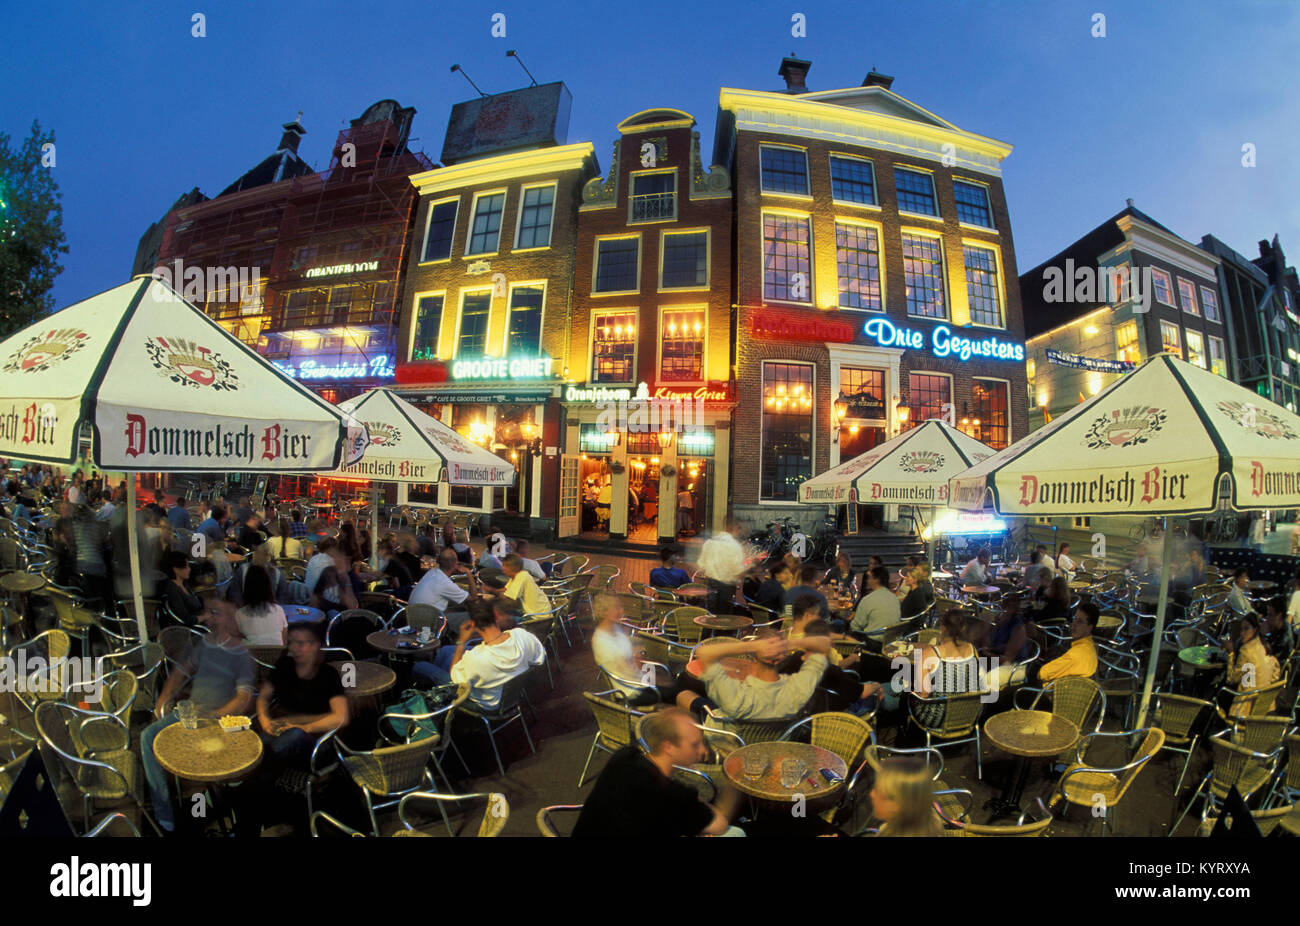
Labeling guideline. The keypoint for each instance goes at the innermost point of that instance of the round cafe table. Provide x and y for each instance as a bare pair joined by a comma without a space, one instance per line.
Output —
208,754
692,591
368,678
980,590
1026,735
1203,658
768,788
940,574
22,584
387,641
1262,585
737,667
724,622
297,613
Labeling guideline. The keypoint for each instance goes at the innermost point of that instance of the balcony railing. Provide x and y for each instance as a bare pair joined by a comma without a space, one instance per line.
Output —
653,207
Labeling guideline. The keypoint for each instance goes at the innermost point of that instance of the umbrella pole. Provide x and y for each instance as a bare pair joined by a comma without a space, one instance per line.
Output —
929,547
374,524
133,551
1157,636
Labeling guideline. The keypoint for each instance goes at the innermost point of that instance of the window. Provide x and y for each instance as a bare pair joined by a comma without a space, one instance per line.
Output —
915,191
682,356
1117,284
857,254
1187,293
1195,348
428,322
1218,357
1169,338
1210,301
535,218
989,408
617,261
1126,343
787,430
593,438
654,197
852,180
784,170
1163,285
923,276
686,260
864,393
485,230
474,311
613,347
787,258
972,204
524,335
930,396
982,286
442,226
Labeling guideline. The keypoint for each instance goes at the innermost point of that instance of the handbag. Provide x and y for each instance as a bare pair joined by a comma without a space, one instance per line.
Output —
413,702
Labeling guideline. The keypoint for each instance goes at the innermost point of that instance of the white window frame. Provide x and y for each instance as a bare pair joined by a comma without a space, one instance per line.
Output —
1137,339
1178,335
460,315
1011,437
703,309
631,192
875,187
807,171
428,224
812,255
708,258
1169,279
1211,340
1188,334
596,315
415,318
595,265
1218,309
510,298
762,437
504,193
934,193
519,216
1002,283
943,263
879,229
1195,310
988,203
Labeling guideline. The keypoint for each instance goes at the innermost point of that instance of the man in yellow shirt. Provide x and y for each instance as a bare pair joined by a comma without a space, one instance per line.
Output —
1081,657
522,587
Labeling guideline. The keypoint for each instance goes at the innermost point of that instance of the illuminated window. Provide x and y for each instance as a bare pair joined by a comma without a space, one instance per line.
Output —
1210,300
682,354
786,439
784,170
989,407
686,260
857,254
852,180
525,332
1187,293
485,231
617,265
972,204
442,226
1163,286
1031,367
654,197
535,217
1195,348
915,191
864,393
474,311
613,347
787,258
1169,338
982,286
1126,343
1218,357
428,322
923,276
929,396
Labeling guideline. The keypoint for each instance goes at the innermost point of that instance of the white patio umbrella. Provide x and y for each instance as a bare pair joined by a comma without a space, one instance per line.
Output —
164,388
406,445
1155,442
912,469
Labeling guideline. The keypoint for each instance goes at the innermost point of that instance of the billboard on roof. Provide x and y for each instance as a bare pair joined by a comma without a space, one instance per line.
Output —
529,118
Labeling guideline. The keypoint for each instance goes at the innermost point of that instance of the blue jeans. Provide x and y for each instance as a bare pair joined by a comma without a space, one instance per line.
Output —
439,670
291,749
158,778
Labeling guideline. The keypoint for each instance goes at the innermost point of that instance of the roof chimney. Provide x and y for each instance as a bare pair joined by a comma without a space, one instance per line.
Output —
794,70
1129,202
876,79
293,133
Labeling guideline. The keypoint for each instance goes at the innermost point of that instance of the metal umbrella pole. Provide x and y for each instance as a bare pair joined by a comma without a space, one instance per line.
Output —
133,550
1157,636
374,524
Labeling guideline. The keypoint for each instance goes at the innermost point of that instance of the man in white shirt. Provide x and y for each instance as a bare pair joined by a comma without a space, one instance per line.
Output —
437,588
522,587
977,570
879,608
531,566
501,657
685,511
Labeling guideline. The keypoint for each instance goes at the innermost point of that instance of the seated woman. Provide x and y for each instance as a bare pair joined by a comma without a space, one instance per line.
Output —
261,620
903,797
771,594
260,557
181,602
841,573
1055,604
283,545
951,667
1064,564
916,592
393,569
1009,641
1250,666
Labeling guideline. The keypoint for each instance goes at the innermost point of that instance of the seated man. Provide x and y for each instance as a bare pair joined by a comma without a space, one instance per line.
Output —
977,570
879,608
636,796
338,586
764,695
523,588
611,645
1277,631
221,674
436,588
1238,601
501,656
809,581
670,574
1081,658
771,593
531,566
846,689
1039,574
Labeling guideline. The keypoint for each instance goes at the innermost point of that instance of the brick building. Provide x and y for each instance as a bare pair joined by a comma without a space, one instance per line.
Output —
870,233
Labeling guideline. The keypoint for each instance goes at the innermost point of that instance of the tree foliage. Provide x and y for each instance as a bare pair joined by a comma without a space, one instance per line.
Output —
31,230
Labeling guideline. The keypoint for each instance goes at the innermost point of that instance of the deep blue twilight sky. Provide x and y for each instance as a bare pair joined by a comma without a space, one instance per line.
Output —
1158,110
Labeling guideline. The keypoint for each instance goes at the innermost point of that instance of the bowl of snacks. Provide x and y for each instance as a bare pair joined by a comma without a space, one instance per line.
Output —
233,723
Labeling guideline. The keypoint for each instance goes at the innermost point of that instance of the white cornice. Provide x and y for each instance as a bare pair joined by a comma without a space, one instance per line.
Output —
504,167
1166,246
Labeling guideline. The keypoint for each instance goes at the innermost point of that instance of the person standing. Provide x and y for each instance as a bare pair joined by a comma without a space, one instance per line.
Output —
685,512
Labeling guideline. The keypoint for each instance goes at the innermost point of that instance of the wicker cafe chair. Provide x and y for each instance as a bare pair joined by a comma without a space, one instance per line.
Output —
1182,719
117,691
112,777
616,725
507,711
661,650
841,733
1287,786
51,646
1030,829
960,723
603,578
546,826
387,773
543,628
681,622
1266,820
75,619
747,732
320,817
950,801
1081,783
496,811
419,616
1261,734
1234,766
1255,702
701,781
1074,698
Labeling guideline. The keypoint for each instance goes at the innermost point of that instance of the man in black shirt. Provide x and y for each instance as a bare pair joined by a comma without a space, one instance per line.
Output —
771,594
636,796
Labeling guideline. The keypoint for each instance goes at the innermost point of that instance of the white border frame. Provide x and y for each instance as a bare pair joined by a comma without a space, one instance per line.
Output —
763,212
664,234
504,193
595,264
554,186
1173,290
415,318
903,232
1002,284
1011,436
596,315
460,315
988,204
1187,348
428,223
875,185
510,298
1217,308
762,436
631,187
879,229
952,395
807,171
703,309
934,192
1178,329
1223,355
1195,311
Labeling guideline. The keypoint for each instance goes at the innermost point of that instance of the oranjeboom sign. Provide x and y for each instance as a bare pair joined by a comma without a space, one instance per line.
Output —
943,342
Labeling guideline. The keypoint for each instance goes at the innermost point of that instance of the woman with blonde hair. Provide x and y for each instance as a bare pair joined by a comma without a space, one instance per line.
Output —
917,592
903,798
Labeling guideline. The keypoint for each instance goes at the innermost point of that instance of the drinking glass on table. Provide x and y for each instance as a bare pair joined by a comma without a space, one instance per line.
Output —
755,766
792,772
188,714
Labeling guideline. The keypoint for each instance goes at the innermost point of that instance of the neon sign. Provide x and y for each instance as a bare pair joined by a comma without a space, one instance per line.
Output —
943,342
335,269
375,367
503,368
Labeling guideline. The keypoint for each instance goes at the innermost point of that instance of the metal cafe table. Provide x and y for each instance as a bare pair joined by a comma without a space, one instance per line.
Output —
1026,735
